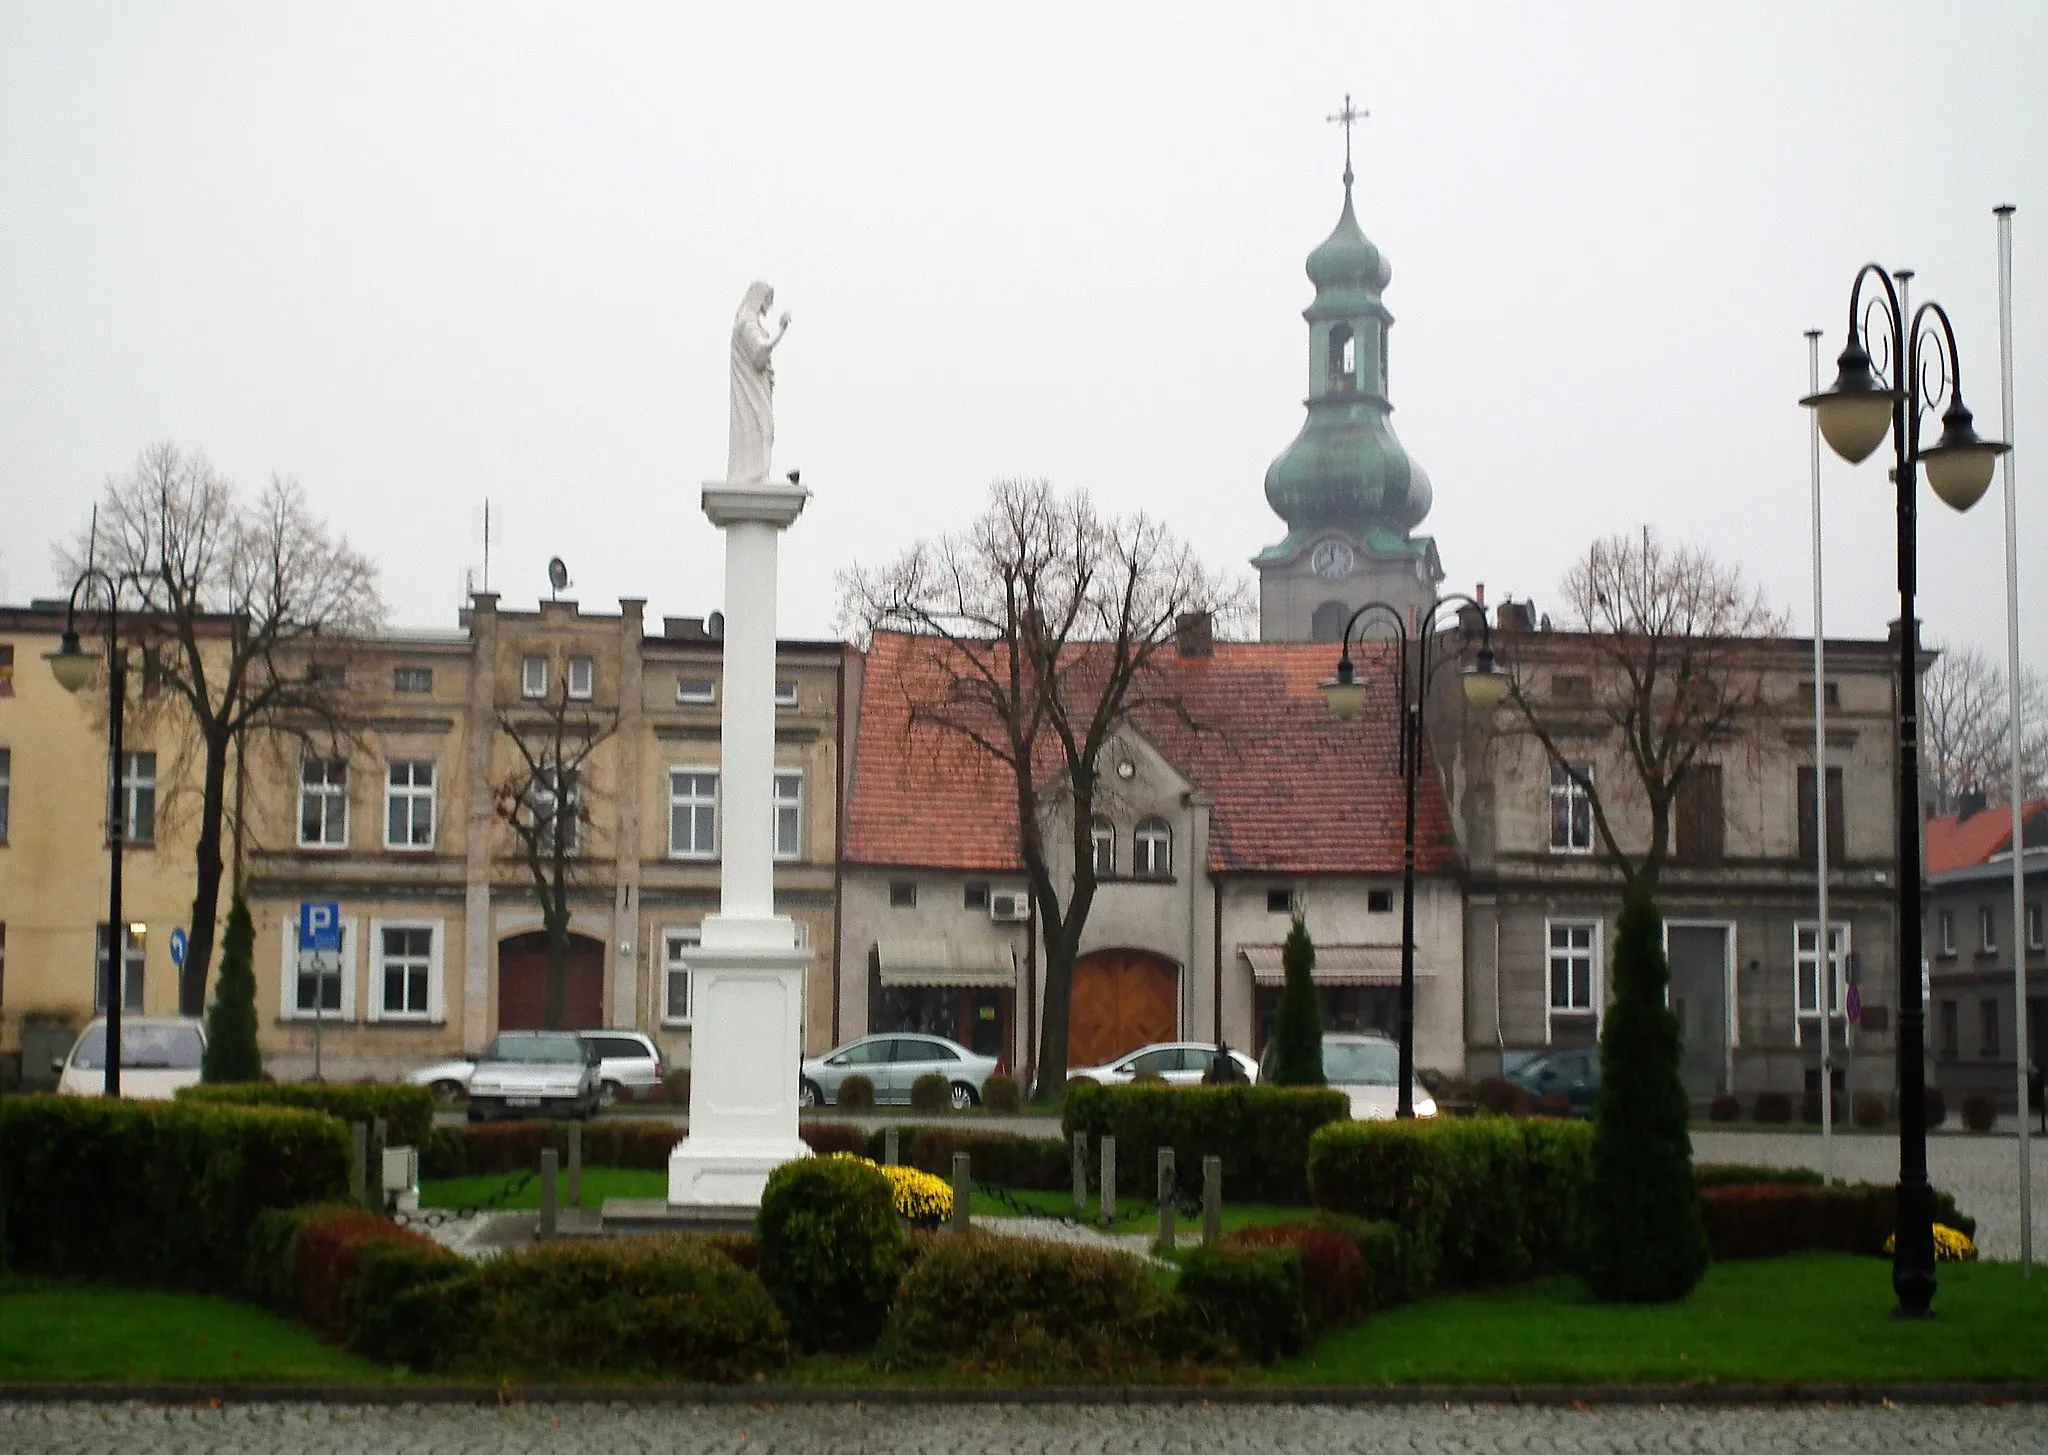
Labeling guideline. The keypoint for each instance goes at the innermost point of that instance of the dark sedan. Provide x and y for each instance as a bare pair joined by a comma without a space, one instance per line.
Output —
1574,1075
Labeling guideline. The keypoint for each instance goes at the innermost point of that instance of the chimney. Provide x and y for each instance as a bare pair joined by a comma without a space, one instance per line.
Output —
1513,616
1194,634
684,628
1970,803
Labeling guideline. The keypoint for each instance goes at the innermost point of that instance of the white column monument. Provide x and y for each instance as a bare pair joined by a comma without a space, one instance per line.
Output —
748,974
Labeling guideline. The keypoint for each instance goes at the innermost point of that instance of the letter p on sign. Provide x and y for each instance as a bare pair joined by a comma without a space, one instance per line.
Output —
320,927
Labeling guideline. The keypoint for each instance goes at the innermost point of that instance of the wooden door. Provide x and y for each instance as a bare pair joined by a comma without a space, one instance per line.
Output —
523,981
1122,999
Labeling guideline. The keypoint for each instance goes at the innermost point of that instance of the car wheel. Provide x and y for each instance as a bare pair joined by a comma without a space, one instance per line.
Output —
808,1093
963,1096
447,1090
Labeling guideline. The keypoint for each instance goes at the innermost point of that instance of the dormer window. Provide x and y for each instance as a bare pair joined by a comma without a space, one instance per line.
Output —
1343,358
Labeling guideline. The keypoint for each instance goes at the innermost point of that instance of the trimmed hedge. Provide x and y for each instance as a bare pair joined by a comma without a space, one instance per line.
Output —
856,1093
1253,1294
1262,1133
468,1151
931,1092
831,1249
326,1259
1332,1269
1002,1094
406,1111
1037,1163
155,1192
1743,1174
1764,1220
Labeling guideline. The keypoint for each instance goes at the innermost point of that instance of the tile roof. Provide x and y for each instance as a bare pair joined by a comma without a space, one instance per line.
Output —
1954,842
1295,791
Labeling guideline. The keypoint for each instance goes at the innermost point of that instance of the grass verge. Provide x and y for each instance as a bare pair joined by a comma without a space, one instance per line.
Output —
512,1190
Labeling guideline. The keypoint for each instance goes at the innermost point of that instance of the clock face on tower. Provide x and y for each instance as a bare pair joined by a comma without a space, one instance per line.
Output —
1332,560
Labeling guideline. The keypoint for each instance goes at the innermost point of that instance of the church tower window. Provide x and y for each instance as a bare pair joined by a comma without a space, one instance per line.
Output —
1343,367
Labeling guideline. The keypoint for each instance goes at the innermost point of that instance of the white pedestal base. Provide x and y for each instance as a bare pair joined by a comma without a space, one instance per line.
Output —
747,982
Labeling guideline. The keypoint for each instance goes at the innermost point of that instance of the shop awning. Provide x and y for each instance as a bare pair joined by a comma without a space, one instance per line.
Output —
947,962
1335,965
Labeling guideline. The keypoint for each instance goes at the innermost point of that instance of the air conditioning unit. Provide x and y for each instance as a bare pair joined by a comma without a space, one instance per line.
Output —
1009,906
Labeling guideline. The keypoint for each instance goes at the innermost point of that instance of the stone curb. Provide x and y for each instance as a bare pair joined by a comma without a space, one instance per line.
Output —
767,1395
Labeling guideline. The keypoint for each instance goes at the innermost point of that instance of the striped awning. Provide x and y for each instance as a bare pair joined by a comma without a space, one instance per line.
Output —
947,962
1335,965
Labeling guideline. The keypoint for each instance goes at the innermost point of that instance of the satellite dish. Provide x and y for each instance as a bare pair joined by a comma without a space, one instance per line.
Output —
714,625
558,574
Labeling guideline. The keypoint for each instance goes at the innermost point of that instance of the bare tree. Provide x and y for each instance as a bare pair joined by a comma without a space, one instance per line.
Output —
1965,715
545,801
1042,624
1662,658
239,599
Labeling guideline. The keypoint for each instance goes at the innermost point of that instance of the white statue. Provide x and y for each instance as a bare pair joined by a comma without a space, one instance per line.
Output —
753,386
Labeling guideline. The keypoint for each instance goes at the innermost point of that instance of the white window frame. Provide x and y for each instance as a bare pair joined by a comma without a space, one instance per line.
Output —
788,811
586,668
694,802
1152,849
329,793
2033,910
410,793
423,676
1806,959
437,1008
1595,990
1575,795
1987,930
677,941
288,967
134,970
1945,930
533,677
696,691
138,785
1101,846
785,692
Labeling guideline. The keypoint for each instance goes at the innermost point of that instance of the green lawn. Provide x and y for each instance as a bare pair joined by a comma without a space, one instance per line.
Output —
504,1189
1809,1317
86,1331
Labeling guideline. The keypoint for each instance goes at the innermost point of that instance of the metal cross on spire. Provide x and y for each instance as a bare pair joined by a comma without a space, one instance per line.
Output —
1347,116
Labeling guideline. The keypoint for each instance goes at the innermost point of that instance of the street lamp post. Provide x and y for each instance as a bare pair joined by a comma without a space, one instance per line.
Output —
1915,370
1485,685
73,668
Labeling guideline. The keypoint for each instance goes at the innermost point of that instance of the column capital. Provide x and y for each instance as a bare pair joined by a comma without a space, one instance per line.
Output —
727,503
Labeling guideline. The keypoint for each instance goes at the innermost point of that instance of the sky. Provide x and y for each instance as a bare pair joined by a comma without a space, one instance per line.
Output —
423,257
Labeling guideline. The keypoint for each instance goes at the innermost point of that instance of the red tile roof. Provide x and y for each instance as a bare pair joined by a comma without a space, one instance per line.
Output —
1963,843
1295,791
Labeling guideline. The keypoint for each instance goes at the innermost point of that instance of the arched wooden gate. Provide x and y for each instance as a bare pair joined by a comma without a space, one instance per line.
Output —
523,983
1122,999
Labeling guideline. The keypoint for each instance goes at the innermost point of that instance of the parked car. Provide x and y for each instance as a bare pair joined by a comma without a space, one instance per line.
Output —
893,1062
448,1080
535,1071
628,1066
1366,1067
1574,1075
1182,1063
157,1057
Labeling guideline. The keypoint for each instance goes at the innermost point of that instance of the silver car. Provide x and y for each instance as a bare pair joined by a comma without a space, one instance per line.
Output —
893,1062
628,1066
535,1072
1180,1063
1366,1067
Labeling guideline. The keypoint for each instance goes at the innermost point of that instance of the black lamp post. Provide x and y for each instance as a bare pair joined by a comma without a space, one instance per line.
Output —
73,669
1915,370
1485,685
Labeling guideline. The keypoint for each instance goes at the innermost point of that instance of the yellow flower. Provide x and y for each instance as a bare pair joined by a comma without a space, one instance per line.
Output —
1951,1245
921,1198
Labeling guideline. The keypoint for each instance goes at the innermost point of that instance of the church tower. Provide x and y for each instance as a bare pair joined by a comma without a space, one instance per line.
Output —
1350,495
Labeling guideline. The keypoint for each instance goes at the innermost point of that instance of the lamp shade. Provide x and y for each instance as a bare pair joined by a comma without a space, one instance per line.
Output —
1344,694
1485,683
1959,464
1856,413
72,667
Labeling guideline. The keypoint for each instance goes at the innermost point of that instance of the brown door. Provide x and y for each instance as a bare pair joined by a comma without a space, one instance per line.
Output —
1123,999
523,983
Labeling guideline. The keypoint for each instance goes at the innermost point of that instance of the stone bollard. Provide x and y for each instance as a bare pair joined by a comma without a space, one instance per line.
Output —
1080,1172
1212,1201
892,1150
574,1198
1108,1180
963,1192
550,1160
359,1163
1164,1241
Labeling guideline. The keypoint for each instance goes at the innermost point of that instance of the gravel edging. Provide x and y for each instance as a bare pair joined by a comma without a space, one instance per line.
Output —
1579,1396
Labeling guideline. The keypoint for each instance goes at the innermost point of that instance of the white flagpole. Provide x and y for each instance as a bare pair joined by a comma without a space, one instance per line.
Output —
1823,940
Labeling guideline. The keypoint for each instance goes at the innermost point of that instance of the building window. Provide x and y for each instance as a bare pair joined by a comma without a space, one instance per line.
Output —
1987,930
692,813
1702,818
132,960
1945,930
409,806
1571,808
555,800
533,677
975,895
1152,850
785,694
676,945
1951,1036
1102,846
696,691
318,985
789,814
1280,901
2033,909
326,674
6,670
1379,901
6,779
1571,966
323,803
408,965
1987,1011
903,894
1834,694
582,678
412,679
1809,839
1806,966
136,805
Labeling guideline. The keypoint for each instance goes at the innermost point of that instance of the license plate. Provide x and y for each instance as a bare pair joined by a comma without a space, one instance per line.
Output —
522,1101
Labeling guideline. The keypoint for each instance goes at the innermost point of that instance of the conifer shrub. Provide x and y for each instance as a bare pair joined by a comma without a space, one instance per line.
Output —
1298,1028
831,1249
231,1051
1646,1241
856,1093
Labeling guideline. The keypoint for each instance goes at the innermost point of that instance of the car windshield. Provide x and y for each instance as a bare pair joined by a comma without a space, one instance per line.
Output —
143,1048
537,1050
1361,1063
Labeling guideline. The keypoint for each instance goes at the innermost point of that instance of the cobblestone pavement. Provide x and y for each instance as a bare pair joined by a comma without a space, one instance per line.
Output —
1982,1170
1012,1430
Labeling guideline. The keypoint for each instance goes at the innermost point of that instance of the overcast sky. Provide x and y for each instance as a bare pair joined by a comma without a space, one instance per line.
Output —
423,256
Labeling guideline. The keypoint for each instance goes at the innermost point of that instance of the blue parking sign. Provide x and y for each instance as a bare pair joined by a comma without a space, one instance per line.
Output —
320,927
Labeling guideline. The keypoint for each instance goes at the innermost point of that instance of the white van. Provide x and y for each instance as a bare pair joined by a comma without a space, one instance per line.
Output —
157,1057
